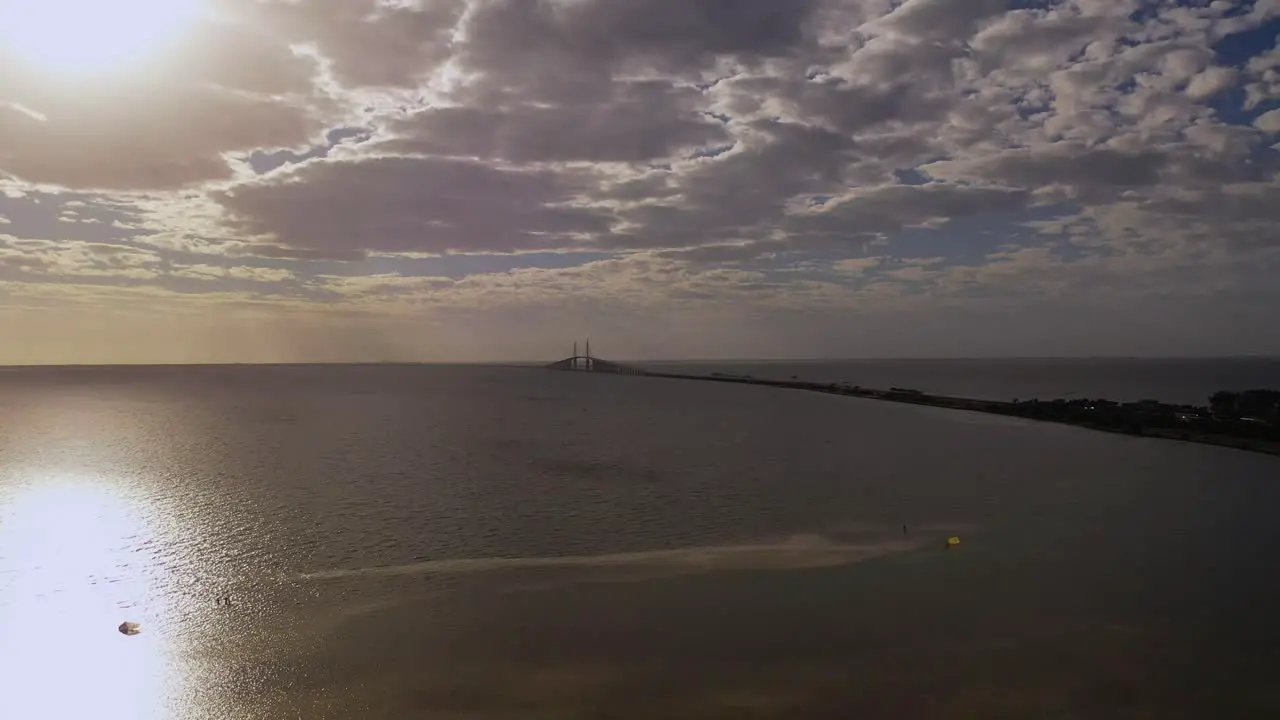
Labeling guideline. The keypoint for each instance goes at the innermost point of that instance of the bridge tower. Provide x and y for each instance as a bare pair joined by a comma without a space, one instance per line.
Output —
590,363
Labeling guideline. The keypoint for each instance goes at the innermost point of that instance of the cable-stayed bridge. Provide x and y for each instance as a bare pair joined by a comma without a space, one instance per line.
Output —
586,362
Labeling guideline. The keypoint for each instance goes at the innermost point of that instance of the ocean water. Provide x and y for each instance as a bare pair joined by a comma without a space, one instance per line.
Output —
1173,380
472,542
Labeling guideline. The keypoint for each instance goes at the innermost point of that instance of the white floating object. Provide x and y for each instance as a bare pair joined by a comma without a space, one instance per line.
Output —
130,628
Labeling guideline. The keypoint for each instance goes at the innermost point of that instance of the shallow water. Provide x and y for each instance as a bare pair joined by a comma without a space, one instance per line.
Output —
489,542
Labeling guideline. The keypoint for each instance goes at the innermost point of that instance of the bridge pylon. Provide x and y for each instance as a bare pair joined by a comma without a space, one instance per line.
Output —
586,362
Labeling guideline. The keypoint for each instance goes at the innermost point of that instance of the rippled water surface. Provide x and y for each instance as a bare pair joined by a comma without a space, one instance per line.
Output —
468,542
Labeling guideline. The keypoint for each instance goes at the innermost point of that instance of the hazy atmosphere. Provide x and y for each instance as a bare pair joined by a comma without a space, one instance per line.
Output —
263,180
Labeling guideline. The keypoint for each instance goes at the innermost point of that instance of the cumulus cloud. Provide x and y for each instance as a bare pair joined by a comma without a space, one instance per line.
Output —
1268,121
214,272
49,258
413,204
1210,82
549,51
640,120
891,208
366,42
819,154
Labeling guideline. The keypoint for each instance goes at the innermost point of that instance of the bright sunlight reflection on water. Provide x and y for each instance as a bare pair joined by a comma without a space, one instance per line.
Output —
76,560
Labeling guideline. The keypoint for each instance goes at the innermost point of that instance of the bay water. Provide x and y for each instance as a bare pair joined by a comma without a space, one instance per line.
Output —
496,542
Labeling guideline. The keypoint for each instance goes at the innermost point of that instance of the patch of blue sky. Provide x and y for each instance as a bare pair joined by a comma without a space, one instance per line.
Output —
713,151
911,176
1238,48
1149,10
1235,51
265,162
1230,107
968,241
963,242
1031,4
64,217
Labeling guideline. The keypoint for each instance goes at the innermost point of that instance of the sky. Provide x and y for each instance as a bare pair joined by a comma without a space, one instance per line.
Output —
469,180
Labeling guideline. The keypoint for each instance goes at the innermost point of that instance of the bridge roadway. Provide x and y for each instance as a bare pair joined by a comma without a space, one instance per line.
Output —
586,363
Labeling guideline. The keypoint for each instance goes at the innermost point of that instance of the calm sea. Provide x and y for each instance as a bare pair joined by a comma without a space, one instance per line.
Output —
471,542
1173,380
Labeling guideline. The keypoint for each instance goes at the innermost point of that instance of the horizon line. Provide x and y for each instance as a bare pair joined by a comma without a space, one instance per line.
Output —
695,360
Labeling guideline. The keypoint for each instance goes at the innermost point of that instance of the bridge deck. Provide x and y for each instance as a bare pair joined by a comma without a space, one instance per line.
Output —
583,363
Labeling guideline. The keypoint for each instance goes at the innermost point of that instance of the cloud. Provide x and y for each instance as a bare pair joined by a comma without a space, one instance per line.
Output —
367,42
1036,41
232,89
891,208
939,20
1070,164
47,258
772,163
640,120
857,266
412,204
122,143
214,272
1210,82
553,51
1268,121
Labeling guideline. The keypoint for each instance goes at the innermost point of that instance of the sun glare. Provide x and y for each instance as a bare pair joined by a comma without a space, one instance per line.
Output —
91,36
70,576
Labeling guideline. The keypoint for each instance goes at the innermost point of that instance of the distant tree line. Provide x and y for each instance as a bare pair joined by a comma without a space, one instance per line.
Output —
1250,414
1256,404
1248,419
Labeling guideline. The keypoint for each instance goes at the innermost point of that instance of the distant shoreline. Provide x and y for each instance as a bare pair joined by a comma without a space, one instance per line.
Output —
1135,422
960,359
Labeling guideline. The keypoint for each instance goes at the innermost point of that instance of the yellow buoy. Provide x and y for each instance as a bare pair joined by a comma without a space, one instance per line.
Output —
953,541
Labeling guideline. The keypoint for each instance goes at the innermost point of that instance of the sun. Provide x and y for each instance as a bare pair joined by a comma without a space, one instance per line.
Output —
91,36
